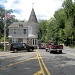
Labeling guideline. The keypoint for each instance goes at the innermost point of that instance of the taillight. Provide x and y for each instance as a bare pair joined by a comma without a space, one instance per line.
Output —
61,47
52,47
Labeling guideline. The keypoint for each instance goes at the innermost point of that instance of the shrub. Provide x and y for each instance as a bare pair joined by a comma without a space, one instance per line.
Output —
1,46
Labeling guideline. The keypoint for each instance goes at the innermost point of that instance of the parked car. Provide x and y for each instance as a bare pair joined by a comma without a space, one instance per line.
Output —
42,46
54,47
20,46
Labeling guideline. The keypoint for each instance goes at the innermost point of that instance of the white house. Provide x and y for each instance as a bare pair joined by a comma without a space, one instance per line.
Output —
24,31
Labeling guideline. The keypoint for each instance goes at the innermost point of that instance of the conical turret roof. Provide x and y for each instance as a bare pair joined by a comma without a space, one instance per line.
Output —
32,17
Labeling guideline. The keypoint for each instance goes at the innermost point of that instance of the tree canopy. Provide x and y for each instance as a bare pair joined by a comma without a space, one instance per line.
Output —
8,21
61,27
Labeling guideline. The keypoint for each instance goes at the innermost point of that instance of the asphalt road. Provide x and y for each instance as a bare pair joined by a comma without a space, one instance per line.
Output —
38,62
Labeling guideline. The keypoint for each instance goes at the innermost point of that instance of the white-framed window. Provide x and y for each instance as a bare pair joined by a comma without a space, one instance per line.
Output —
14,40
14,31
24,30
34,41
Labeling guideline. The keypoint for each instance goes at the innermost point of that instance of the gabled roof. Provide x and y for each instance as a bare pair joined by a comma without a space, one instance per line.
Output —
32,20
18,24
32,17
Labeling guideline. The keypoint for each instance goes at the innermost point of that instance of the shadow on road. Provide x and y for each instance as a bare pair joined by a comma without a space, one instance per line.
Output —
21,51
57,53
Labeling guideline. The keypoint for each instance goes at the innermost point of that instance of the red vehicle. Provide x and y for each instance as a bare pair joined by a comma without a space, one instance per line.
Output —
52,46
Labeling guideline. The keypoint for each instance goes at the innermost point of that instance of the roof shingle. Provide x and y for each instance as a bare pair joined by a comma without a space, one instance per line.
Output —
19,24
32,17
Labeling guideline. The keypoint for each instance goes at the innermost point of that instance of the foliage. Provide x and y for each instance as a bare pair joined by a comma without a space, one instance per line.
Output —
2,39
42,29
8,21
1,47
61,28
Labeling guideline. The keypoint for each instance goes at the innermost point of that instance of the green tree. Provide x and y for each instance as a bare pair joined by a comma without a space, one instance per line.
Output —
51,29
1,21
8,21
69,9
61,28
60,16
42,29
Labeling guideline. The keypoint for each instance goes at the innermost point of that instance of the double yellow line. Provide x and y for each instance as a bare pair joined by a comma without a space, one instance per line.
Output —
15,63
42,66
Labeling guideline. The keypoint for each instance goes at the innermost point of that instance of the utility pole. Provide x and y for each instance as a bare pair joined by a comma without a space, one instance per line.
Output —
5,32
0,20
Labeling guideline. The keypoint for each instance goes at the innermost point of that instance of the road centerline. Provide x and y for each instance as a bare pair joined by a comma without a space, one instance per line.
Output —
42,64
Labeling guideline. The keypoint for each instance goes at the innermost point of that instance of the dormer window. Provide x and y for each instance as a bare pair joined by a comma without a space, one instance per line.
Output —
20,25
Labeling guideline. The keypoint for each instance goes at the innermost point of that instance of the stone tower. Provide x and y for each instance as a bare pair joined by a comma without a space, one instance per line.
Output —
32,28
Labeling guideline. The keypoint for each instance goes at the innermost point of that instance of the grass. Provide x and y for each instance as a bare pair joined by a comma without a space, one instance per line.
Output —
1,50
72,46
2,39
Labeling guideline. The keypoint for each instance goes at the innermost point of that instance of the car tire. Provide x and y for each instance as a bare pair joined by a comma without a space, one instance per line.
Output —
15,50
30,50
50,51
46,50
60,51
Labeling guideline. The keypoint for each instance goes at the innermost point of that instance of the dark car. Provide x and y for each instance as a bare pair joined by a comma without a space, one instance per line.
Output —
21,46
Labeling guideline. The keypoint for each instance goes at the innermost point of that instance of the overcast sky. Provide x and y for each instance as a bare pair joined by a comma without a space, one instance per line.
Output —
44,9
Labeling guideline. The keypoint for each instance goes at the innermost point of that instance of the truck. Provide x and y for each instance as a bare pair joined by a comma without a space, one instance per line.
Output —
54,47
